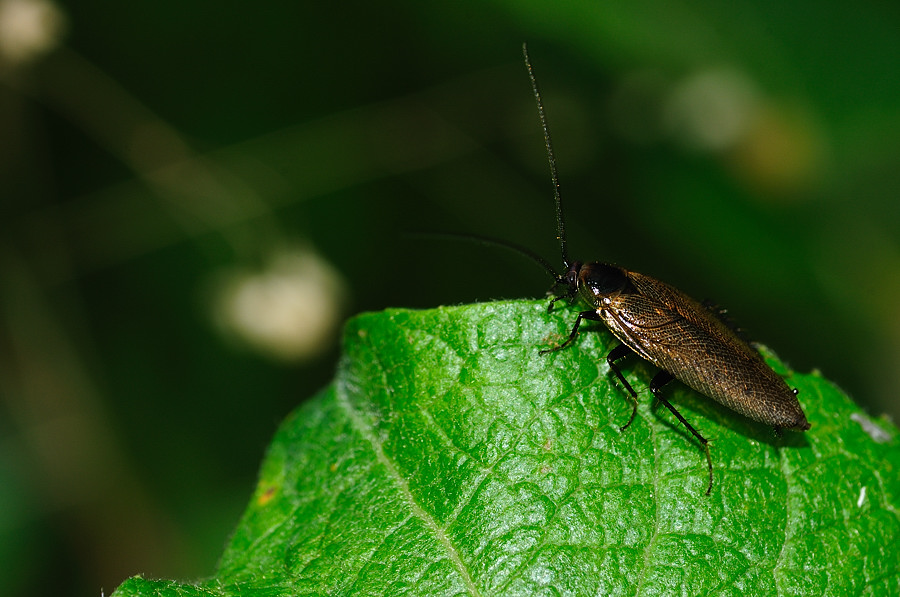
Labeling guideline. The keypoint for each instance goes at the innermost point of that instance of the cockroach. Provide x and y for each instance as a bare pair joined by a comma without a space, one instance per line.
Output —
684,339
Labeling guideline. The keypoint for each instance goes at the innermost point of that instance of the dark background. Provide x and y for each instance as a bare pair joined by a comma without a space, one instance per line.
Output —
747,152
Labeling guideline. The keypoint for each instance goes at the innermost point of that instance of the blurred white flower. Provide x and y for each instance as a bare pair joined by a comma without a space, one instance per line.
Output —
289,310
28,28
770,144
712,110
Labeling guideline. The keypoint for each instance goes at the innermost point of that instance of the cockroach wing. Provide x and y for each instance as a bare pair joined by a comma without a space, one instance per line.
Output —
680,336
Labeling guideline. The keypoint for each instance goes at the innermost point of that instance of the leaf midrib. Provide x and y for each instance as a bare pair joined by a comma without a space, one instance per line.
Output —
368,433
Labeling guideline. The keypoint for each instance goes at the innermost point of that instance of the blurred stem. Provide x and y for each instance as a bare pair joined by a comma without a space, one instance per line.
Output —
197,193
77,464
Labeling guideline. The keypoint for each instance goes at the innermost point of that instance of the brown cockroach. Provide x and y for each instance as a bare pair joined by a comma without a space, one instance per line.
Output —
684,339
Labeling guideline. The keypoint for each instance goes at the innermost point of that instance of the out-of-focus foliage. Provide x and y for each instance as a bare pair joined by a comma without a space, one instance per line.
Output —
167,168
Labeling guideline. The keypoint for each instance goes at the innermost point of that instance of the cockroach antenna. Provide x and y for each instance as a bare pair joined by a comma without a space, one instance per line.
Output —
554,174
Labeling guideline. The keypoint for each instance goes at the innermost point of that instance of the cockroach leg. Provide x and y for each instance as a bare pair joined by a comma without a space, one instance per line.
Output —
656,384
614,355
591,315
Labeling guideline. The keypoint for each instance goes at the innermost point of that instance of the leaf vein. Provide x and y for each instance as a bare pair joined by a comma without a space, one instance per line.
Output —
366,430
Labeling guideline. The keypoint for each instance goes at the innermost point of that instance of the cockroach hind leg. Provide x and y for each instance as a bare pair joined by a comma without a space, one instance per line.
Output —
709,465
656,384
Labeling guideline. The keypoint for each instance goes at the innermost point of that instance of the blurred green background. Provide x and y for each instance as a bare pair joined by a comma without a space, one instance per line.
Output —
194,195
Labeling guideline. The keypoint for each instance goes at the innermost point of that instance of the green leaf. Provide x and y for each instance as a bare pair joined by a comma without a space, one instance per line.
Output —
450,458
